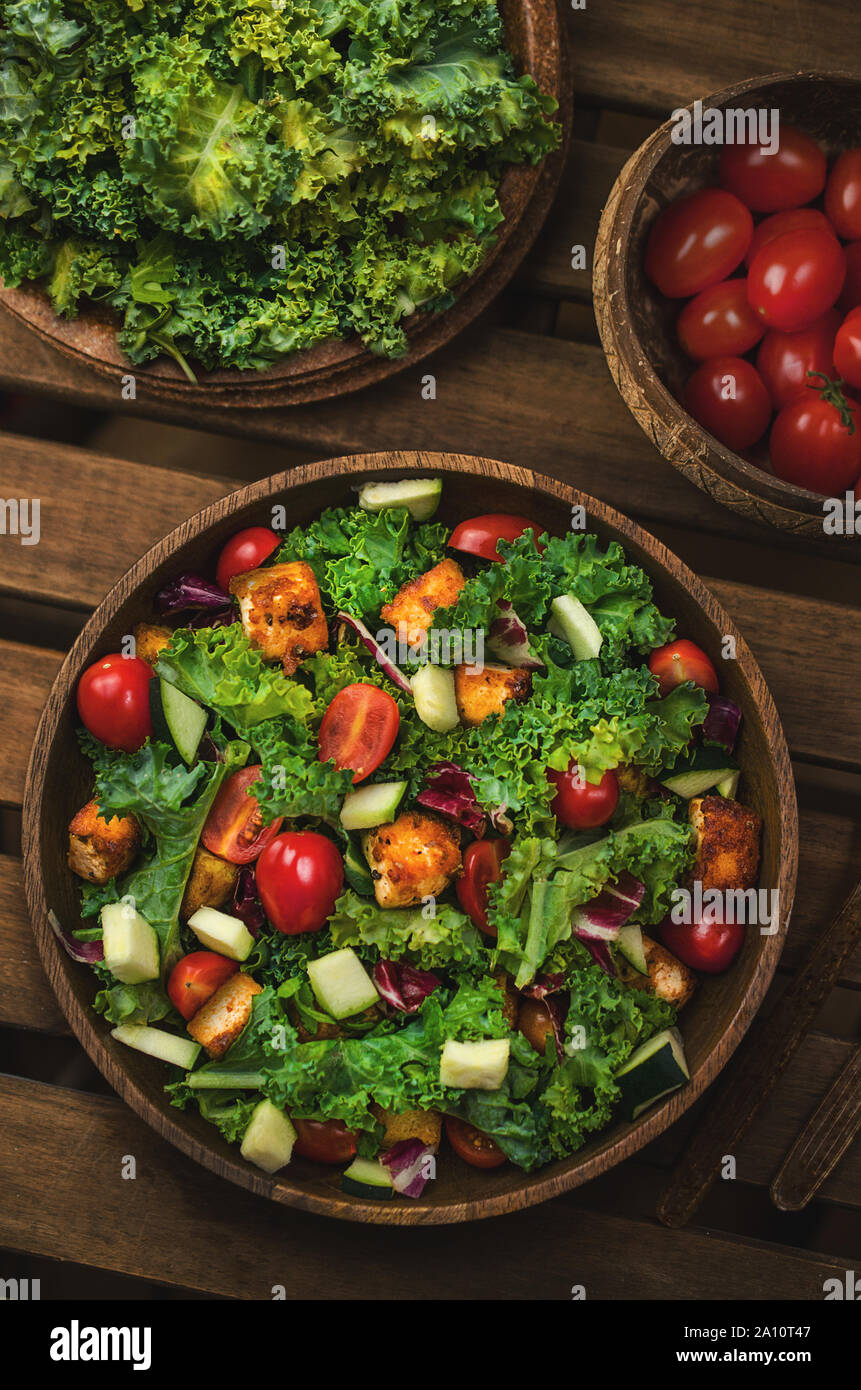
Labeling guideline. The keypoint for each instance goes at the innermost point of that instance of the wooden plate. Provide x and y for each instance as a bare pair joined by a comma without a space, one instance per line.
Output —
534,38
637,324
59,781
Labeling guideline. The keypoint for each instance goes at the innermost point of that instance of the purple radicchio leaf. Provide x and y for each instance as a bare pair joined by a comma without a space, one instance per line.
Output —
449,791
547,988
509,641
600,953
402,986
246,904
602,918
365,636
191,591
722,721
410,1163
87,952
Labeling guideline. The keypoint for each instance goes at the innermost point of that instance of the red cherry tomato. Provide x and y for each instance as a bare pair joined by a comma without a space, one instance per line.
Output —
245,551
482,534
482,864
708,946
113,701
697,241
791,175
535,1022
299,877
358,729
325,1141
583,805
475,1148
796,220
843,195
682,661
795,278
727,396
816,441
785,359
234,828
851,295
195,978
847,350
719,322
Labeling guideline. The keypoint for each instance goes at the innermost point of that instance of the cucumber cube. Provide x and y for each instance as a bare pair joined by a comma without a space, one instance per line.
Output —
220,932
474,1066
269,1138
167,1047
433,692
371,806
131,945
420,496
341,983
576,626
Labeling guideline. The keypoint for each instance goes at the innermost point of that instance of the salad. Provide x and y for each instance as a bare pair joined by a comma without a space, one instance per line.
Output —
386,827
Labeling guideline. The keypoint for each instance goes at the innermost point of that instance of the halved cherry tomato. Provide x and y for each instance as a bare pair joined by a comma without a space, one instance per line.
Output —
785,359
847,349
482,534
535,1023
792,174
196,977
475,1148
234,828
843,195
245,551
710,946
795,278
482,864
719,322
682,661
727,396
113,701
325,1141
816,441
300,875
697,241
583,805
795,220
358,729
850,297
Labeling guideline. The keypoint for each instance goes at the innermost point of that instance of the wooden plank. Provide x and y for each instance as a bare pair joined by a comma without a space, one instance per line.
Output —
590,172
26,998
224,1241
659,56
26,676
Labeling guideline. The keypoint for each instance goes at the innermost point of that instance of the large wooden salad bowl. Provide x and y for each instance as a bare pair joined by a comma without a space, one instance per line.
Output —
59,781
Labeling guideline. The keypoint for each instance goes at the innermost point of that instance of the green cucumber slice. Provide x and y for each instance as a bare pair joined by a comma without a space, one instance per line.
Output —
176,717
433,692
356,871
576,626
371,806
728,786
630,944
342,984
269,1139
651,1072
130,944
180,1052
420,496
691,776
219,931
367,1177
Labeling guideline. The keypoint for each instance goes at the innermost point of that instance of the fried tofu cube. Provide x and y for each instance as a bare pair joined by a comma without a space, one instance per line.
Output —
411,858
484,690
99,848
150,640
210,883
281,612
727,840
411,610
633,779
669,978
218,1023
425,1125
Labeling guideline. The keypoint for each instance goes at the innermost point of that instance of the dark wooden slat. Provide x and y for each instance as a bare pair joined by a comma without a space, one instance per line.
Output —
26,998
590,173
224,1241
26,676
826,1137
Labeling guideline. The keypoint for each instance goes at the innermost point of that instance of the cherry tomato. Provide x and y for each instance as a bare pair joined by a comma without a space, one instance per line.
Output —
682,661
719,322
709,946
358,729
843,195
816,441
482,534
727,396
784,359
851,295
795,220
475,1148
847,349
697,241
234,828
795,278
793,174
196,977
325,1141
300,874
482,864
245,551
113,701
583,805
535,1023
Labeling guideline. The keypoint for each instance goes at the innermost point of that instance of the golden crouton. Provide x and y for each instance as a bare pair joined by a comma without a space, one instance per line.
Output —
218,1023
425,1125
411,610
150,640
510,997
633,779
727,840
281,612
484,690
99,848
668,978
411,858
210,883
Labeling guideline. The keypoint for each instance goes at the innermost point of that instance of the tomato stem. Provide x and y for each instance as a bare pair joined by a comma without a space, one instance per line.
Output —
832,393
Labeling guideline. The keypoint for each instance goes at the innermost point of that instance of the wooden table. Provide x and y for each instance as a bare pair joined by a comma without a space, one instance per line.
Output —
528,384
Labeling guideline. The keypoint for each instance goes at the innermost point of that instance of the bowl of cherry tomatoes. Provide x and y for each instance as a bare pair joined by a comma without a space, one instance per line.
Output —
727,290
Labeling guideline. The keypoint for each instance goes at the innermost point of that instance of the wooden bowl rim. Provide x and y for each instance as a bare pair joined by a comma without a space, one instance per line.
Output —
621,341
107,1055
